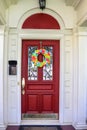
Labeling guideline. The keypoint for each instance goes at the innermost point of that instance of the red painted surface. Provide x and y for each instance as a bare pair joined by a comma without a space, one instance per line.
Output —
41,96
40,21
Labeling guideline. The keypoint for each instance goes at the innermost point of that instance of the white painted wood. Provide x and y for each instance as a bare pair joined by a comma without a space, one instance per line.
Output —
68,79
37,34
74,3
12,47
82,81
8,3
80,84
65,111
65,115
72,70
2,125
23,36
12,99
22,8
6,76
36,10
82,11
68,2
2,13
12,81
75,75
39,122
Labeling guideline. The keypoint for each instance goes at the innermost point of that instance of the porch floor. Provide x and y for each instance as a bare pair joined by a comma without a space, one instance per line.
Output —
65,127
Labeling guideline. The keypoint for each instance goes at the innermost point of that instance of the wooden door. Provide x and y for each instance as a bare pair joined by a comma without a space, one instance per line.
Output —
40,94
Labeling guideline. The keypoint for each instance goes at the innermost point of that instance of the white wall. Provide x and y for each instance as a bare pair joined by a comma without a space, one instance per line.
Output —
67,13
80,79
2,127
73,97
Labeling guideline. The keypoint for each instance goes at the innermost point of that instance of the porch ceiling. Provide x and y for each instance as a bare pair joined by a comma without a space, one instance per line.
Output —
68,2
7,3
73,3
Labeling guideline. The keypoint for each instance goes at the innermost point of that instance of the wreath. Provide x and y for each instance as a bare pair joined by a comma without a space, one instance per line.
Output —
46,55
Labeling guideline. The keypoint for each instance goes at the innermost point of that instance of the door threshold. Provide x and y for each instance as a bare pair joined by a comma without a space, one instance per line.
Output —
40,122
41,116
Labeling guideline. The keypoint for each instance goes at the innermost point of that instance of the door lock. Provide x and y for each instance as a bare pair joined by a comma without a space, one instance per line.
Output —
23,92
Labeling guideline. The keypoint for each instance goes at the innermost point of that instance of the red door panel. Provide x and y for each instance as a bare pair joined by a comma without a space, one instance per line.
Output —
32,101
47,105
41,90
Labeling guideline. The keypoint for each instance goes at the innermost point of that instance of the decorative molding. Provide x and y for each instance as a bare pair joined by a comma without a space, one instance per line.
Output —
80,127
2,20
12,47
2,30
2,127
13,31
1,79
76,3
73,3
2,13
68,79
4,4
83,21
8,3
47,11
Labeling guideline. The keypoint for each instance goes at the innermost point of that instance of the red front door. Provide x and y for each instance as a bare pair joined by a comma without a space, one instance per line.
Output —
40,85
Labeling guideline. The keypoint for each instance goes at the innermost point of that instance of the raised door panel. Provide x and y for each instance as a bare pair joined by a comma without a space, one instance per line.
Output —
32,103
47,103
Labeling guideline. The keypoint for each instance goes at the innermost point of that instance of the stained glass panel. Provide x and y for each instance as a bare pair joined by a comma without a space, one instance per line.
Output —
48,69
32,70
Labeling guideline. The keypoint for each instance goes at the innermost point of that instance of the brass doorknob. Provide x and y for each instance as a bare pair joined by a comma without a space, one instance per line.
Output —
23,83
23,92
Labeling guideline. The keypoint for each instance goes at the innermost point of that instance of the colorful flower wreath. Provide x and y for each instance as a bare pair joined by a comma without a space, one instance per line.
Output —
46,55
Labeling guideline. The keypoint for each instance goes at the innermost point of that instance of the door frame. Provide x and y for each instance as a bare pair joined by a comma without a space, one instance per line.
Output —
42,35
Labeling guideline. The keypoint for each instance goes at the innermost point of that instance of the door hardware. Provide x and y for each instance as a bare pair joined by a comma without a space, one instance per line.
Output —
23,83
23,92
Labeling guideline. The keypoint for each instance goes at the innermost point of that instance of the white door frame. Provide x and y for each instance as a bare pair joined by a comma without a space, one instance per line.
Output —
45,35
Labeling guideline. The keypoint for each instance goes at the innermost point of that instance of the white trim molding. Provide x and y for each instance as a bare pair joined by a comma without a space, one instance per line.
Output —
47,11
83,21
79,80
39,36
2,126
80,127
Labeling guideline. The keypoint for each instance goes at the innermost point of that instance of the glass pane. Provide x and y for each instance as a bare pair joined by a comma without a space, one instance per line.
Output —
48,69
32,70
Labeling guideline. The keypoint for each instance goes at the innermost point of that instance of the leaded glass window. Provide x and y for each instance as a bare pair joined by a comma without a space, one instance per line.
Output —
32,70
48,69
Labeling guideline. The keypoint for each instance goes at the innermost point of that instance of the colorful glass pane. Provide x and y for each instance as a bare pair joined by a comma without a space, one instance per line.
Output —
48,69
32,70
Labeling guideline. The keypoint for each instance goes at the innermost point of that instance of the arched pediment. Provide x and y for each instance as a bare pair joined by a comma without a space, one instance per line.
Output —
41,21
52,18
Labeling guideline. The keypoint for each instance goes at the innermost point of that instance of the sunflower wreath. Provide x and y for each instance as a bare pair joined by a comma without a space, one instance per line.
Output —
46,55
